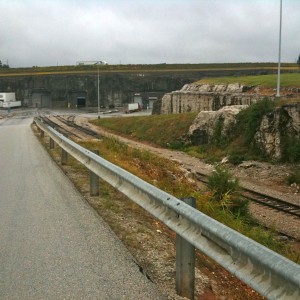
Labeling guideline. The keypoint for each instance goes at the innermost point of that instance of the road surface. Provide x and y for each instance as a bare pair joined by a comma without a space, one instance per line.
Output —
52,243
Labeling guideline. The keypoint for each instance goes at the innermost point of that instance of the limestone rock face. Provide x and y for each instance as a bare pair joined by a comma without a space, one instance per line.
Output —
276,128
282,123
278,135
211,125
204,97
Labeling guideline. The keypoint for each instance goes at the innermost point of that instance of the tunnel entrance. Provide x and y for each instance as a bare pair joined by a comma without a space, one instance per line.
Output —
81,102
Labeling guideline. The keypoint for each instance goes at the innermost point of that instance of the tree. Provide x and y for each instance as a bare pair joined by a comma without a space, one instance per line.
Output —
4,66
298,61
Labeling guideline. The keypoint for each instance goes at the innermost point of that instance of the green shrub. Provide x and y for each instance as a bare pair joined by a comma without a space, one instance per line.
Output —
294,177
293,152
221,182
225,189
236,159
249,119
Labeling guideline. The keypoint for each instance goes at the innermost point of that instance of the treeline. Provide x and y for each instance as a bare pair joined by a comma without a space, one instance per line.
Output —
4,66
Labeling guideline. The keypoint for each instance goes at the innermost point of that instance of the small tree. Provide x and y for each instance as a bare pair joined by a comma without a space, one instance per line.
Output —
298,61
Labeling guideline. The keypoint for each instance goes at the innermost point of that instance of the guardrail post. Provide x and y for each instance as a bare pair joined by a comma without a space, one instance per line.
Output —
64,157
94,181
51,141
185,262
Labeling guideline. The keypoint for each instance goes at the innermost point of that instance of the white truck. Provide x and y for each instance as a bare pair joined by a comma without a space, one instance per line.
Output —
133,107
8,100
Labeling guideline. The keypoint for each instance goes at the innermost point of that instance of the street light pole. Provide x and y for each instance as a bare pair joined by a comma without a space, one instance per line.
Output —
279,53
98,95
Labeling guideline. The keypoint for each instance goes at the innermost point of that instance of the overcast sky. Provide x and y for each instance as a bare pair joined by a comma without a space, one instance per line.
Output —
51,32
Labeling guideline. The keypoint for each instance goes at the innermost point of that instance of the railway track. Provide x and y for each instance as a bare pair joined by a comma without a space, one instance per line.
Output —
71,123
263,199
70,128
272,202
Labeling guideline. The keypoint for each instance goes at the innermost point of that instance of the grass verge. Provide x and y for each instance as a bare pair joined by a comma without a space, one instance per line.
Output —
163,130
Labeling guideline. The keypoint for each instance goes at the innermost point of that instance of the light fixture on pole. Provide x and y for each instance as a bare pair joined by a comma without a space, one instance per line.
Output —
279,52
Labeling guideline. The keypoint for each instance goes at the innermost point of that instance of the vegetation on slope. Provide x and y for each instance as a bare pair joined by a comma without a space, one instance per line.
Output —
170,131
162,130
286,80
142,67
223,202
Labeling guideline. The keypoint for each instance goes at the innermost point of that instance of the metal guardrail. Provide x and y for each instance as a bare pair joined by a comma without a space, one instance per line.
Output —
269,273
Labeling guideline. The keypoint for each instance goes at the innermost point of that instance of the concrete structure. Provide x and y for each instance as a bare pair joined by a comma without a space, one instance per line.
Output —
116,88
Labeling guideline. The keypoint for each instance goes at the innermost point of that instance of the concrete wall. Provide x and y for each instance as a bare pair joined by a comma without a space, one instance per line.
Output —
116,88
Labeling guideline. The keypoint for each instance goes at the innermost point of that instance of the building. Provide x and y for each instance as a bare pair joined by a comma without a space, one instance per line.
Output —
91,63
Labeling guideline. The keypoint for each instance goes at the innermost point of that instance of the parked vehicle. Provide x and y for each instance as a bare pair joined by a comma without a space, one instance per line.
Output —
8,100
133,107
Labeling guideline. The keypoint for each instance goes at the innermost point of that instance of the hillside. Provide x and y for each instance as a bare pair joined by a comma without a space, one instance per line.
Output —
81,69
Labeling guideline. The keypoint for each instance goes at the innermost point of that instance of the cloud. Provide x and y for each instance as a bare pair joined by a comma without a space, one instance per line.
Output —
173,31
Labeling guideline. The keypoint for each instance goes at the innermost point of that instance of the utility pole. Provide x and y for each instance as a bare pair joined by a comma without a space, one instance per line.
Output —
98,94
279,52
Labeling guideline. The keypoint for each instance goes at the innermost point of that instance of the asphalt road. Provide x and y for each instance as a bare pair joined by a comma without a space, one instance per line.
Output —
53,245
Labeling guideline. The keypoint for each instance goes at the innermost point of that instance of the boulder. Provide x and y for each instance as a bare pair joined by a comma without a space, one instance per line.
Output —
211,125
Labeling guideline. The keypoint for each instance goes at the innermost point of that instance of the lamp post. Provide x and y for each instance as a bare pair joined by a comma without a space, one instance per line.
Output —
279,52
98,93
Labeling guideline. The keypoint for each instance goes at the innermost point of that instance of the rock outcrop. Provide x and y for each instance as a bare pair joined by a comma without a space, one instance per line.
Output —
277,129
204,97
278,133
214,126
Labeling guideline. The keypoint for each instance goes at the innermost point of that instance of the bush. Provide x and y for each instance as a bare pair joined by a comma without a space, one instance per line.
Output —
225,191
294,177
293,152
236,159
249,119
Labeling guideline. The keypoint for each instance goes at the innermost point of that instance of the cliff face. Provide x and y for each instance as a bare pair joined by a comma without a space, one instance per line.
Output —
279,131
213,126
204,97
278,136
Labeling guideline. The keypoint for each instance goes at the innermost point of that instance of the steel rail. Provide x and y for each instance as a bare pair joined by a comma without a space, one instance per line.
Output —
72,124
272,202
269,273
58,127
263,199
